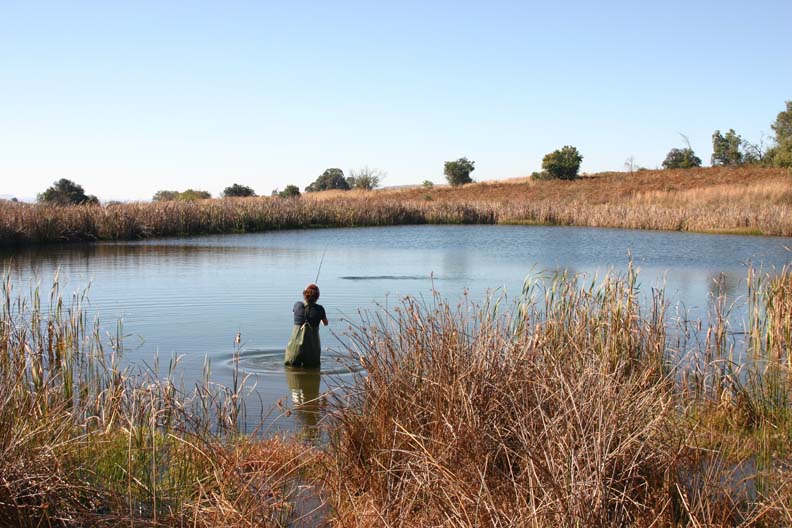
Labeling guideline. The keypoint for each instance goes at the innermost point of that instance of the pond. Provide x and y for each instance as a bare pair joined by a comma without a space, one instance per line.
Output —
190,297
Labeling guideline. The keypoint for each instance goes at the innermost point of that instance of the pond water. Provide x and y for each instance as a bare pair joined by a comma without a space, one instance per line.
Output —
189,297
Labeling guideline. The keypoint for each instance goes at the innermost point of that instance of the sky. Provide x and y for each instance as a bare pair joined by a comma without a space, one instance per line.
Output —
127,98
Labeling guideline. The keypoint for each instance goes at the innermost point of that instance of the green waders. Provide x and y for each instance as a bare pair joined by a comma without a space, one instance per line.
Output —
304,349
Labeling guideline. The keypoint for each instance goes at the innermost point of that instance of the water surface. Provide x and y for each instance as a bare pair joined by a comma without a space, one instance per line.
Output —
189,297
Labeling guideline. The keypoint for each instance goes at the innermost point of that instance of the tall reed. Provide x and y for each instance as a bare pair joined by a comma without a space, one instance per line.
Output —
84,441
571,409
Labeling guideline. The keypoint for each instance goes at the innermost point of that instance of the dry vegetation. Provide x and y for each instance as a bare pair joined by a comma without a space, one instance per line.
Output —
579,405
574,409
749,200
86,443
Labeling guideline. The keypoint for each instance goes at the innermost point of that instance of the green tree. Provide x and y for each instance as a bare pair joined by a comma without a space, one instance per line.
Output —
681,159
184,196
783,123
66,192
728,149
330,179
458,172
290,191
782,152
236,190
563,163
165,196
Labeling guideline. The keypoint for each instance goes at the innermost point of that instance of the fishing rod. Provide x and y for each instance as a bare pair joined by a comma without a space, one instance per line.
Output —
316,281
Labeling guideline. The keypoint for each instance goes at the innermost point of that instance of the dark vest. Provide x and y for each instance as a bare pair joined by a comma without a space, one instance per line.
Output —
311,313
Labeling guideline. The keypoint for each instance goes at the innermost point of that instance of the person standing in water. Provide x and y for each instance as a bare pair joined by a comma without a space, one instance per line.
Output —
304,348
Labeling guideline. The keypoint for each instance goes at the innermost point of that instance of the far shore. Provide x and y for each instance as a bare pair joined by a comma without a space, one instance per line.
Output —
743,200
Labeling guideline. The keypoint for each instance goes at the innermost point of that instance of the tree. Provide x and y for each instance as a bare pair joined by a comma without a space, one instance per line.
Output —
365,178
184,196
630,165
290,191
330,179
681,159
458,172
165,196
66,192
728,149
782,152
563,164
783,123
237,190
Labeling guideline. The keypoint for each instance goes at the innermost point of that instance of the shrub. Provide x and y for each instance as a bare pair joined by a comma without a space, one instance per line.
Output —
66,192
165,196
428,184
238,190
290,191
330,179
458,172
185,196
365,178
563,164
681,159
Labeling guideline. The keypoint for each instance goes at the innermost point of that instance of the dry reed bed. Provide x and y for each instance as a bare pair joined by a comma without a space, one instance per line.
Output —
86,443
570,410
572,407
756,201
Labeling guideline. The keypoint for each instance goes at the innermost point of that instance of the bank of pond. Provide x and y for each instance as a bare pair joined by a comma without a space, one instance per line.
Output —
741,200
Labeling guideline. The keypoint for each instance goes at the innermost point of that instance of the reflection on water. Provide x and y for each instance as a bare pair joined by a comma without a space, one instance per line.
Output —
189,297
304,388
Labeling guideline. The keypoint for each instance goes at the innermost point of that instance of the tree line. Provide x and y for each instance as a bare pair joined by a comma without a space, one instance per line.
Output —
729,149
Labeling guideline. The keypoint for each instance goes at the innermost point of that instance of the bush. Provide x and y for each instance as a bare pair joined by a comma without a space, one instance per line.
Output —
330,179
165,196
365,178
237,190
291,191
184,196
681,159
66,192
458,172
563,164
427,184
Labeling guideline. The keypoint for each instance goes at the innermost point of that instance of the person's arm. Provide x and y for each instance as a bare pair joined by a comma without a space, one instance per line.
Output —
324,316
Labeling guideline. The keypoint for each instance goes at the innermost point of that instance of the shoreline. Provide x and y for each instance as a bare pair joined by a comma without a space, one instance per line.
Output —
743,201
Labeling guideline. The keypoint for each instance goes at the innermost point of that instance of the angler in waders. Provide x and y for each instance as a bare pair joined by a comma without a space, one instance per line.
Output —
304,349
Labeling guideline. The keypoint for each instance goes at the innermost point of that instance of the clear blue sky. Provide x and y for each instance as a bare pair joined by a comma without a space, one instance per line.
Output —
130,97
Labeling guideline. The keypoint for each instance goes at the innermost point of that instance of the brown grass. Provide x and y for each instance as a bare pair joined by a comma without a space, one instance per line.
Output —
566,411
576,406
86,443
748,200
